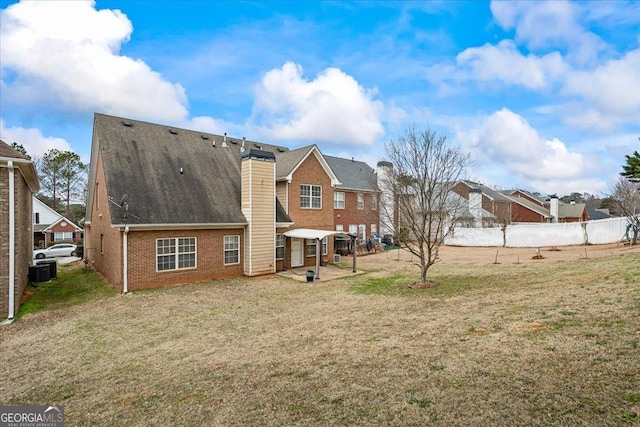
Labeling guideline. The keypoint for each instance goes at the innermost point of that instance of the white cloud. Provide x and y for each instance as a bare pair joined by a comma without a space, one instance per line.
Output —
66,54
332,108
504,62
612,90
507,142
549,23
32,140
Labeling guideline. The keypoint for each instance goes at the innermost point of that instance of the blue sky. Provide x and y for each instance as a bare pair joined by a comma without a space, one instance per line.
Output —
543,95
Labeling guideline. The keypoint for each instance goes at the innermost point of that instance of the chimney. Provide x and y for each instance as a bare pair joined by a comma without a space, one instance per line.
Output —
475,206
258,182
224,141
387,208
553,207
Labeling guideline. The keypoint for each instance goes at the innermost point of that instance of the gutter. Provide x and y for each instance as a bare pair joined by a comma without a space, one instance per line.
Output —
125,266
12,240
194,226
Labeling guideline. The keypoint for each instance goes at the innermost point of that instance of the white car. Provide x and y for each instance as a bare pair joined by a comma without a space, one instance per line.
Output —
61,249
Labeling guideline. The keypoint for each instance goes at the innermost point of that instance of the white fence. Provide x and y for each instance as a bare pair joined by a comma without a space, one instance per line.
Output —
601,231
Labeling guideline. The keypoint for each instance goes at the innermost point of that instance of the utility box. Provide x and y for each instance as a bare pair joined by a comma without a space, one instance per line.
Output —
39,273
53,267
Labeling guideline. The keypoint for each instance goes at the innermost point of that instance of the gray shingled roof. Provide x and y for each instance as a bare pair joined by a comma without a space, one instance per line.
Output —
288,160
353,174
571,210
173,176
7,151
493,194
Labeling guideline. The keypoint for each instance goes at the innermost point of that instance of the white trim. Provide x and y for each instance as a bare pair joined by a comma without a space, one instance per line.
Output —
323,163
284,224
177,253
212,226
125,260
344,197
12,240
311,196
224,250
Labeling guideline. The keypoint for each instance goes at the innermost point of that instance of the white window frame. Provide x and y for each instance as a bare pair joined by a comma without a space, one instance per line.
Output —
374,229
374,202
279,245
62,235
227,241
325,246
308,244
360,201
177,252
353,229
338,200
307,200
339,227
362,232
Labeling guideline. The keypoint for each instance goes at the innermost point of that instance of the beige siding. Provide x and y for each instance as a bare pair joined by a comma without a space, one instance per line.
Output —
258,206
281,194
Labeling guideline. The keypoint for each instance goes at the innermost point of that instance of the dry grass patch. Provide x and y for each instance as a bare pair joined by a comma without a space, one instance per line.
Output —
549,342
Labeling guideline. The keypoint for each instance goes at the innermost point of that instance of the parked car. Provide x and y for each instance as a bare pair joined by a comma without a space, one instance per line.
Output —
61,249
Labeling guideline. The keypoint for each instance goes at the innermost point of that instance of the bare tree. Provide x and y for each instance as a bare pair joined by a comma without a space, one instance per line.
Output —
625,200
422,169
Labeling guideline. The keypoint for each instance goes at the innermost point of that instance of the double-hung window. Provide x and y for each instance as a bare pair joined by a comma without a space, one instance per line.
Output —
311,247
374,202
175,254
279,246
338,200
360,201
311,196
231,249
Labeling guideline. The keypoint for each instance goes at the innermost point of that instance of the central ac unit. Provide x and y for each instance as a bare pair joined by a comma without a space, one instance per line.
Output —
336,258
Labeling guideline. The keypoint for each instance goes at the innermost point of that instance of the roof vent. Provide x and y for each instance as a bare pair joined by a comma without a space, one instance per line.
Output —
127,124
204,136
281,150
258,146
173,131
234,142
243,141
181,171
224,141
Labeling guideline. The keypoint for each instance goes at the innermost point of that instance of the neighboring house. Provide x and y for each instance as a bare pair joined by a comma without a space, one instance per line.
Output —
492,201
355,200
18,182
171,206
50,227
595,213
526,210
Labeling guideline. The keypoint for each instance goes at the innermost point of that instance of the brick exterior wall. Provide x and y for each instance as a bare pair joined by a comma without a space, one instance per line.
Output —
59,228
519,193
311,172
104,253
351,215
209,258
23,248
521,214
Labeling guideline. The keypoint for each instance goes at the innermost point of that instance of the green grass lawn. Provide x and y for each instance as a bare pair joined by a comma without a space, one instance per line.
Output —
553,343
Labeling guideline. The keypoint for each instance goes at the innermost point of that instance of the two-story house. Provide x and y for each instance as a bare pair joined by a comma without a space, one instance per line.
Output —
18,182
170,206
50,227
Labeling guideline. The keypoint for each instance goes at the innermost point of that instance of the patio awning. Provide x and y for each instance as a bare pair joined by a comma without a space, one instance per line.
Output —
307,233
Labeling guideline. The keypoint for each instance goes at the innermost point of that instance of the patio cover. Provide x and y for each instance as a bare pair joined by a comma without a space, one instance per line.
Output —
318,235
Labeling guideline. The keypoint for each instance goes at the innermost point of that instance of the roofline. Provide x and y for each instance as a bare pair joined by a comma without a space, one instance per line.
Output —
27,169
284,224
323,162
358,189
210,226
514,200
62,218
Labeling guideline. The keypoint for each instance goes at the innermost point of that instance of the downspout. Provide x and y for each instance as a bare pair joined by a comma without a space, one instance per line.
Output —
12,240
125,266
318,255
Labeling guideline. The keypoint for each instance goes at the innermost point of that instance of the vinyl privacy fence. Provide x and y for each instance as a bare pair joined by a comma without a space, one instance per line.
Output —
597,232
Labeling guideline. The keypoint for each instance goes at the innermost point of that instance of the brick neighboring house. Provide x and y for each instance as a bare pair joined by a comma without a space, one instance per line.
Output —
527,207
18,182
492,201
169,206
355,200
50,227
